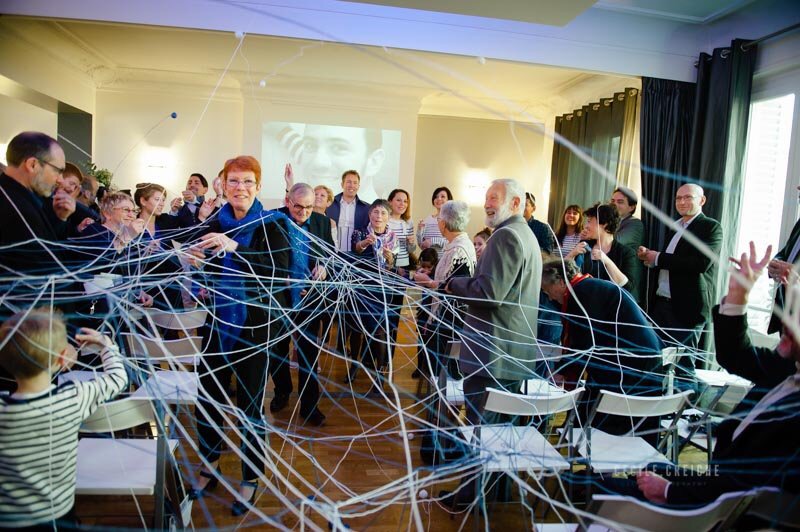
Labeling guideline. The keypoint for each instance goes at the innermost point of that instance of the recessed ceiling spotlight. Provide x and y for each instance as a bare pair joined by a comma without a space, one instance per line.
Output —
262,83
481,60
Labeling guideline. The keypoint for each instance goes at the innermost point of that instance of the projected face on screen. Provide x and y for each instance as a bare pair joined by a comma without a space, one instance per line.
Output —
329,151
320,154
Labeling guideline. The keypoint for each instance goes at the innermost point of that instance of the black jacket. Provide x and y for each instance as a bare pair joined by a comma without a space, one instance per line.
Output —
23,218
625,260
691,272
783,254
265,263
767,452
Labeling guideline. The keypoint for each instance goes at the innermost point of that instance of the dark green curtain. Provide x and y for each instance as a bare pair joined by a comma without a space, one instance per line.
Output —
719,135
596,129
665,136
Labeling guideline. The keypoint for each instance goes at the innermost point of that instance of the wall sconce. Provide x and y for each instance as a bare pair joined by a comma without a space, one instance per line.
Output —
158,167
475,184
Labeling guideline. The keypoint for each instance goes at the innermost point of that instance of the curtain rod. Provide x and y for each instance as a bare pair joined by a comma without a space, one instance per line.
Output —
749,44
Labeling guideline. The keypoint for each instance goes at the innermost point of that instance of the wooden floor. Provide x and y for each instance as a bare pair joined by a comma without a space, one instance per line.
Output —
358,450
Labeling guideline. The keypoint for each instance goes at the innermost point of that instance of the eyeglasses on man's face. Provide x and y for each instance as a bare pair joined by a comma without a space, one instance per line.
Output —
58,169
298,207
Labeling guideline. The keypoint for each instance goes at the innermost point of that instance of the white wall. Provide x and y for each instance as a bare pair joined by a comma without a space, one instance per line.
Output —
183,145
465,154
17,116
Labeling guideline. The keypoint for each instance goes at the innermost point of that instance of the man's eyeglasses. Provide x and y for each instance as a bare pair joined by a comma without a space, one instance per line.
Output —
58,170
126,210
299,207
234,183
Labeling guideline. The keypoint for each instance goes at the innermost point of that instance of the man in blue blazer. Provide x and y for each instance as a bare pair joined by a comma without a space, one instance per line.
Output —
349,213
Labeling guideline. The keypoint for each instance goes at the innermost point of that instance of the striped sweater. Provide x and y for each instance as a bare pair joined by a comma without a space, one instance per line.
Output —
428,229
39,444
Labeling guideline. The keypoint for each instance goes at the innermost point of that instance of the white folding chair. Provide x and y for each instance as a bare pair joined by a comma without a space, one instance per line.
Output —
507,447
626,513
178,321
175,385
125,466
609,453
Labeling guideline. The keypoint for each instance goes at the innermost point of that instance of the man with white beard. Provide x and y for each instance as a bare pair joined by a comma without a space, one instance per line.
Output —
502,298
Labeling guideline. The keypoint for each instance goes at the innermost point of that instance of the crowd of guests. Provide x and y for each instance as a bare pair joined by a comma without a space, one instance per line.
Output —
269,278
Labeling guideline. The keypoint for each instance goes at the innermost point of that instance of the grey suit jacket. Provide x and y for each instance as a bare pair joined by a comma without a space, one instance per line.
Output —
502,297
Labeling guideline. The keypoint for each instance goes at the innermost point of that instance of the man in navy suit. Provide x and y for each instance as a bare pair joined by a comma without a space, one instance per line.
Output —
349,213
681,304
311,244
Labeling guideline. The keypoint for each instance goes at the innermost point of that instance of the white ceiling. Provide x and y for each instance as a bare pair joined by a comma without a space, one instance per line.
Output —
690,11
629,37
119,56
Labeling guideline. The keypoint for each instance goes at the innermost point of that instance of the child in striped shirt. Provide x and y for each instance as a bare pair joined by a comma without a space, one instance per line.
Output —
39,422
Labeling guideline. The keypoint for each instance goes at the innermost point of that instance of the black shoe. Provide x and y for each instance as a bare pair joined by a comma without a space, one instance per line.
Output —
350,378
416,374
278,402
239,508
315,418
213,480
450,500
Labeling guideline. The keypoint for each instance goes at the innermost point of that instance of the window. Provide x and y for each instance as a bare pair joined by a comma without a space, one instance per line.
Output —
768,141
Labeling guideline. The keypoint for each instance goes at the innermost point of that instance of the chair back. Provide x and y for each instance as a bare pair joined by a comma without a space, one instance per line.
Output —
516,404
619,404
177,321
454,349
777,508
629,513
121,414
142,346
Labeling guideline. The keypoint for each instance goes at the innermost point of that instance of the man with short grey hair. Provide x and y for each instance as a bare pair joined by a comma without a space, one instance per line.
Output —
311,242
502,297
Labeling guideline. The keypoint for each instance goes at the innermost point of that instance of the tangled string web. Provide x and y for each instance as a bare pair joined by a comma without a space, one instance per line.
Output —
364,467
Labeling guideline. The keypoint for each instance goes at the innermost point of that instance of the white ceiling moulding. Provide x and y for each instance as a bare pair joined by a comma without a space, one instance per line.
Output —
536,11
597,40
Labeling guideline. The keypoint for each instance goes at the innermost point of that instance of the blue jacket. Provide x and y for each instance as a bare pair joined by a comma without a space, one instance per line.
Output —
362,211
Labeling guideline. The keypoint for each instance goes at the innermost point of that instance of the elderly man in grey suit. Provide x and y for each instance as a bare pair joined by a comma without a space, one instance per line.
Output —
502,297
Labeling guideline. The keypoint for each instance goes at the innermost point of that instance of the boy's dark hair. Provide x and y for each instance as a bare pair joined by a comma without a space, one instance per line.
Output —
31,341
429,255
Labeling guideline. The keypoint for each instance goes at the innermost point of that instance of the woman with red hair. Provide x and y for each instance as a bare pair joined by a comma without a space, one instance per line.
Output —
246,250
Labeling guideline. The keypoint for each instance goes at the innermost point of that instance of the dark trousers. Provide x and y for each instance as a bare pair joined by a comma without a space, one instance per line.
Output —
668,317
248,364
307,348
